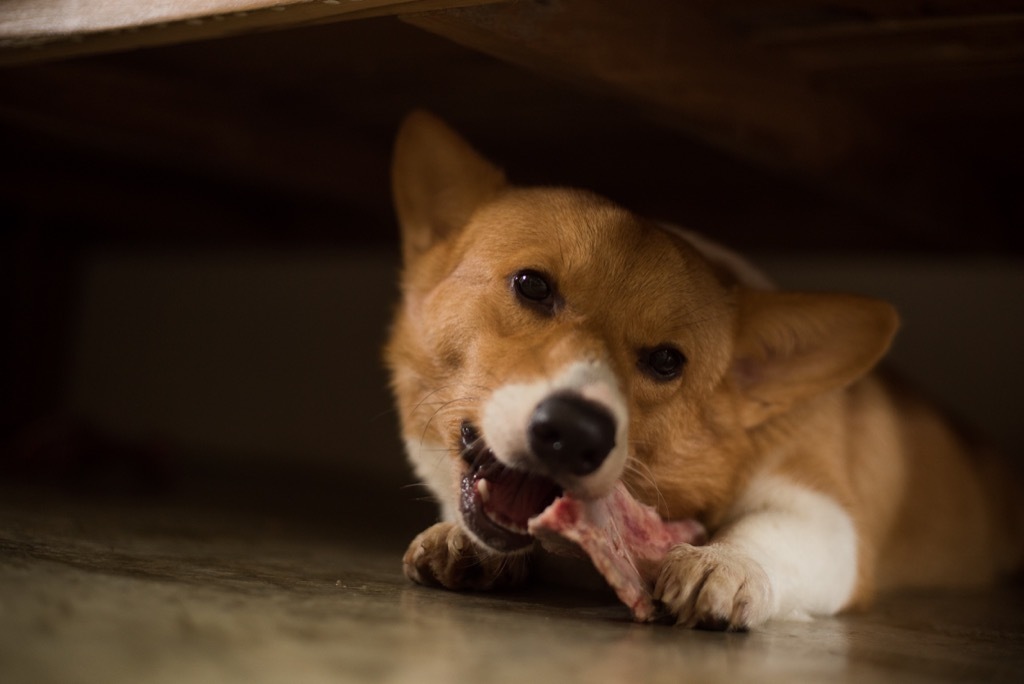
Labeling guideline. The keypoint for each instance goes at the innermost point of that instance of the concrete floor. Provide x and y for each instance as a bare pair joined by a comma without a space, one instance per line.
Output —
175,589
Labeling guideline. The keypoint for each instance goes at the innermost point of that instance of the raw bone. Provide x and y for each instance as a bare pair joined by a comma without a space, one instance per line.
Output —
627,541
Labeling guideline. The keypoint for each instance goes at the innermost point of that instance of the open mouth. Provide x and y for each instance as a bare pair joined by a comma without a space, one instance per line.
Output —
497,502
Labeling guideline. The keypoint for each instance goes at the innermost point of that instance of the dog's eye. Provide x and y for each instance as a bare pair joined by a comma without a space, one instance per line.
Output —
662,363
534,287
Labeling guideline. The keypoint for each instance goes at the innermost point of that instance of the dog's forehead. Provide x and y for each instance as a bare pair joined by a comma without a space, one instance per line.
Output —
578,237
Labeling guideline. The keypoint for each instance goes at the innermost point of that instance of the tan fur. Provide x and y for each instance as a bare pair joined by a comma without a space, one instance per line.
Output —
776,382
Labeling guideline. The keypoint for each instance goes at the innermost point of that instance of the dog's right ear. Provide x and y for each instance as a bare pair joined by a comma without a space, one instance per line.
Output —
437,182
791,346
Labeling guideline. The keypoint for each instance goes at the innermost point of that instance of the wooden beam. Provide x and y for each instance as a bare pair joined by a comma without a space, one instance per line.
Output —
669,56
690,70
935,43
44,30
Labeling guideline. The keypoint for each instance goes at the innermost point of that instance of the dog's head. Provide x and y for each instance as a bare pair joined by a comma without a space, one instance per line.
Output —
548,341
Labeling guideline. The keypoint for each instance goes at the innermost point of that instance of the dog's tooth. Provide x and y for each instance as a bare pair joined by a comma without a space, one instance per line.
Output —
481,488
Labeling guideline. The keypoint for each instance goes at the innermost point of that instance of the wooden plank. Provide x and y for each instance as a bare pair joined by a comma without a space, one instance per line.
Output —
771,14
43,30
670,57
937,43
689,71
163,125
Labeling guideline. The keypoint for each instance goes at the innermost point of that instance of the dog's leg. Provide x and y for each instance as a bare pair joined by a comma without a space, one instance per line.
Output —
444,555
790,552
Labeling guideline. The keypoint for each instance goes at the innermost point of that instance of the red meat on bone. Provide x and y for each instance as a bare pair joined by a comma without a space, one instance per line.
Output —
626,540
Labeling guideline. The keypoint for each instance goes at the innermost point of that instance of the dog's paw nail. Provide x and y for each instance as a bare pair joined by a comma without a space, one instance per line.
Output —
714,624
714,588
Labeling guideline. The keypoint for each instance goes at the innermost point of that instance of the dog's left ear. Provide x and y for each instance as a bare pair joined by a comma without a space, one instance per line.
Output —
437,181
793,346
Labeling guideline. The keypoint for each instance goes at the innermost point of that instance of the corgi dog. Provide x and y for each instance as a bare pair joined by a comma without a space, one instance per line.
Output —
549,341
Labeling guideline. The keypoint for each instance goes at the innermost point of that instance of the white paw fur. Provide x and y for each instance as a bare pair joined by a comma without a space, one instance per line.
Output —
788,552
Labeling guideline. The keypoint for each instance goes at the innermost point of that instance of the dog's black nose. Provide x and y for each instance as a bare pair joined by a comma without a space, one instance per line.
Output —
570,434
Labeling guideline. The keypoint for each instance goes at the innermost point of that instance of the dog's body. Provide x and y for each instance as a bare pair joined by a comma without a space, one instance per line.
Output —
550,341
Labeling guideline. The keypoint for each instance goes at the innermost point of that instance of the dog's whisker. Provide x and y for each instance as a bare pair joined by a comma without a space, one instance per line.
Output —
383,414
440,409
643,472
424,400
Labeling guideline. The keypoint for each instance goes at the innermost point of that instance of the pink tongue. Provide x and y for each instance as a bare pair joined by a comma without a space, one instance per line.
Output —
516,496
625,539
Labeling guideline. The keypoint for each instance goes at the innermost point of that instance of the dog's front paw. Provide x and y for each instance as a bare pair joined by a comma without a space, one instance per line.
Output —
444,555
714,587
